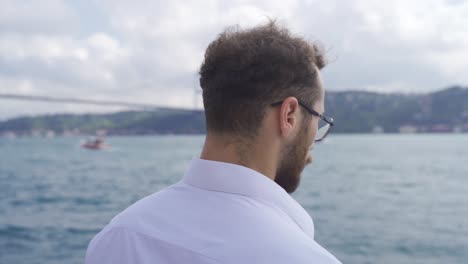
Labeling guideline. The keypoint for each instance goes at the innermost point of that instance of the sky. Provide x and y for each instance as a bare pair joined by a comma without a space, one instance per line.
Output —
150,51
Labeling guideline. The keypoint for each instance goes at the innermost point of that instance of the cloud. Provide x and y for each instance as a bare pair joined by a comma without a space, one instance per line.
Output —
150,51
62,59
33,17
393,45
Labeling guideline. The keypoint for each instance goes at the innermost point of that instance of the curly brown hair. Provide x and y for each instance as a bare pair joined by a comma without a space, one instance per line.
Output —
244,71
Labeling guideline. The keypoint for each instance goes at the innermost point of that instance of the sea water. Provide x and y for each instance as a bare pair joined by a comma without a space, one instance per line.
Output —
373,198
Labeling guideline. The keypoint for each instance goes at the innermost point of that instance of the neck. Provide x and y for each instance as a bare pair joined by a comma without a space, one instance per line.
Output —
253,155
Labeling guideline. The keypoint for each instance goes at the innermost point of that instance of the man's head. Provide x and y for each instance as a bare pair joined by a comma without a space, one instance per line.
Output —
244,73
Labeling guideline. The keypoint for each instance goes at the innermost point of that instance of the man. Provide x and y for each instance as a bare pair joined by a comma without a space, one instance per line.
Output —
263,100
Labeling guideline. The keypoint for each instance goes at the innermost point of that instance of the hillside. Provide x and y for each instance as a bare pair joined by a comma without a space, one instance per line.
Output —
353,111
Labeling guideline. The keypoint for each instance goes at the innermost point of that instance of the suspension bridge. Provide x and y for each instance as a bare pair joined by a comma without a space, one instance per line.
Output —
50,99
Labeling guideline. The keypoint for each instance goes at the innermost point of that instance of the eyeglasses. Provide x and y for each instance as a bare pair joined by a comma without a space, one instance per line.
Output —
325,123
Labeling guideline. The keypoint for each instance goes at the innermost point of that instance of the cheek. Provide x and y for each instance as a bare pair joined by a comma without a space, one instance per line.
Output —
313,132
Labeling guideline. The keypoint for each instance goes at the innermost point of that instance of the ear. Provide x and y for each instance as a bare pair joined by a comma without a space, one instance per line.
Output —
289,116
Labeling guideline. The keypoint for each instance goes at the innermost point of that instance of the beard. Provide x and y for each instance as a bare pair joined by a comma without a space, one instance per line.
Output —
294,159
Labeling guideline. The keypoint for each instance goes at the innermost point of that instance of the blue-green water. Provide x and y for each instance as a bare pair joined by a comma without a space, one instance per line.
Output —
374,198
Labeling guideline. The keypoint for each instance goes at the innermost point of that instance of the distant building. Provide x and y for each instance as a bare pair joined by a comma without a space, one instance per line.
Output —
457,129
439,128
378,130
50,134
101,132
70,133
36,133
423,129
408,129
9,134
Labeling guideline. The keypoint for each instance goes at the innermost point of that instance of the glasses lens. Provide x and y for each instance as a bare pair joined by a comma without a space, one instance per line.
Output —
322,131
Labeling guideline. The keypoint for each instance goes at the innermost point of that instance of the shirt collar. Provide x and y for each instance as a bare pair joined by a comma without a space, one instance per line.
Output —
236,179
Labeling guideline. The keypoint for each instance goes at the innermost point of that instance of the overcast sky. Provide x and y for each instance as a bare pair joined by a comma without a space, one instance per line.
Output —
150,51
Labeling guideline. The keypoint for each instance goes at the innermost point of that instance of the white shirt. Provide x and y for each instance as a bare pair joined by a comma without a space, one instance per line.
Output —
218,213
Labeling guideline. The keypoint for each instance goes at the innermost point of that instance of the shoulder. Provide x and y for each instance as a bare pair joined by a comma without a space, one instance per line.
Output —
120,245
146,209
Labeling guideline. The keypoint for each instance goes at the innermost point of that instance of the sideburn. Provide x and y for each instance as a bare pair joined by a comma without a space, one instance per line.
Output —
288,175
